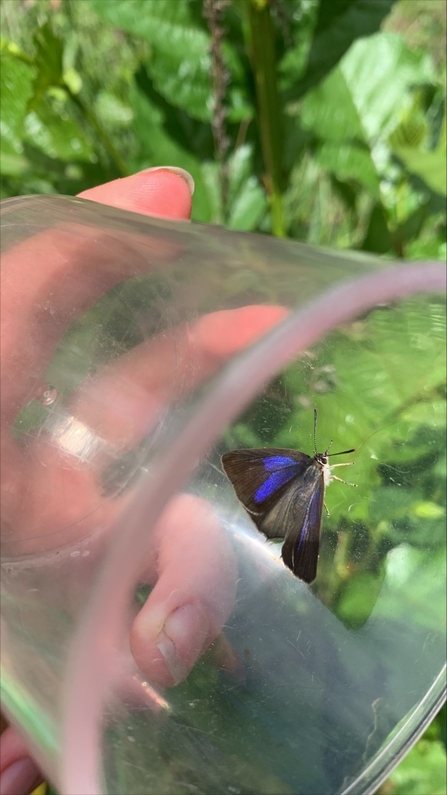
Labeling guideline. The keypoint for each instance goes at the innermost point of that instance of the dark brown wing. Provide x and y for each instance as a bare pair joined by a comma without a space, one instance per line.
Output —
302,541
261,477
283,492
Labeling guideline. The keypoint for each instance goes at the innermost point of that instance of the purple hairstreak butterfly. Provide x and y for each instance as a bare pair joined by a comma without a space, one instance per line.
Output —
283,492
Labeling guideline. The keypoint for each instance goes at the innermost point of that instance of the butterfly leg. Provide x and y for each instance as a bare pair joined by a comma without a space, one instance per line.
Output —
346,482
326,509
344,464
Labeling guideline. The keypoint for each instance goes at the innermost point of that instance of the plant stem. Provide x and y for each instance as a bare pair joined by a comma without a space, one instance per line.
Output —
263,60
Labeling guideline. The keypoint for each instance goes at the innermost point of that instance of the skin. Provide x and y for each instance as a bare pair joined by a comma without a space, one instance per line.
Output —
193,573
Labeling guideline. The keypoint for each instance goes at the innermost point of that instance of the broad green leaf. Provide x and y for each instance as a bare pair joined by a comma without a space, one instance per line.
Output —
430,248
247,200
179,62
421,772
169,26
338,25
358,599
382,369
249,207
159,144
330,111
377,237
73,80
112,110
370,65
351,107
57,135
428,510
11,163
16,79
49,62
400,518
430,412
350,163
414,586
189,134
429,165
210,177
352,102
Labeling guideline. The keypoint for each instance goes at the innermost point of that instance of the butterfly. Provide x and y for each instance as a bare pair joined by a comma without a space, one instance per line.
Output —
283,492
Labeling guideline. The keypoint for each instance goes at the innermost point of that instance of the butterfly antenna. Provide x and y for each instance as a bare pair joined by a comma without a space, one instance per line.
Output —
326,452
342,452
329,455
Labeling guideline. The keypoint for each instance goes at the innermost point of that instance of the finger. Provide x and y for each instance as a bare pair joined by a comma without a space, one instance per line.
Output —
126,399
52,278
156,191
51,498
193,596
18,773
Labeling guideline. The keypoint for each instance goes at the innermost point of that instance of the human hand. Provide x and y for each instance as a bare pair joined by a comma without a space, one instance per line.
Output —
194,573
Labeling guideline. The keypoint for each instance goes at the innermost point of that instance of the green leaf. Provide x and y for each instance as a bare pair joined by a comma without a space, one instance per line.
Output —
350,163
247,200
12,164
377,237
414,585
351,104
179,62
430,166
425,509
112,110
249,207
56,134
352,111
49,62
421,772
430,412
73,80
186,133
16,79
159,143
358,599
371,64
338,25
386,371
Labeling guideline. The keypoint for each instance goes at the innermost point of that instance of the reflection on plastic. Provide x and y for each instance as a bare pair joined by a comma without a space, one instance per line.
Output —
135,325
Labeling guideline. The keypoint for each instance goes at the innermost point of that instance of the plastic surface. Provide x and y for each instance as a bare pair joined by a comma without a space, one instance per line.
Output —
305,689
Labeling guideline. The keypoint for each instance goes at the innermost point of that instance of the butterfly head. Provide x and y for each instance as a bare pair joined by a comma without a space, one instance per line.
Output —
321,458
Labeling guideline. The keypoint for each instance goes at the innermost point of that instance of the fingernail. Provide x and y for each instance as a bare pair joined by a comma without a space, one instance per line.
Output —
20,778
181,640
174,663
176,170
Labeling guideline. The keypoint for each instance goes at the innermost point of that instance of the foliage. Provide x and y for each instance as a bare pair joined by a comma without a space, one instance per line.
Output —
424,769
318,150
378,387
334,114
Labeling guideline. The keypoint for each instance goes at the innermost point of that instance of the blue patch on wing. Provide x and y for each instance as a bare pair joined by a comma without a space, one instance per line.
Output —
283,469
312,517
274,462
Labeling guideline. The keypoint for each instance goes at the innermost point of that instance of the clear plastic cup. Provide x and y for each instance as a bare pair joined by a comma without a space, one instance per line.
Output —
136,352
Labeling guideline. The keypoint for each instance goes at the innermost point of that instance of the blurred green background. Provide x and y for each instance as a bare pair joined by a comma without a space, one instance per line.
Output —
318,120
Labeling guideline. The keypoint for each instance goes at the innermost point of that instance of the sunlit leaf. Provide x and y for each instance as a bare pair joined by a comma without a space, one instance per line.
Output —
338,25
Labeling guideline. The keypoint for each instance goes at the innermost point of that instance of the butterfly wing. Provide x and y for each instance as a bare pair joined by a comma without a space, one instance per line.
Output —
283,492
303,522
260,479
